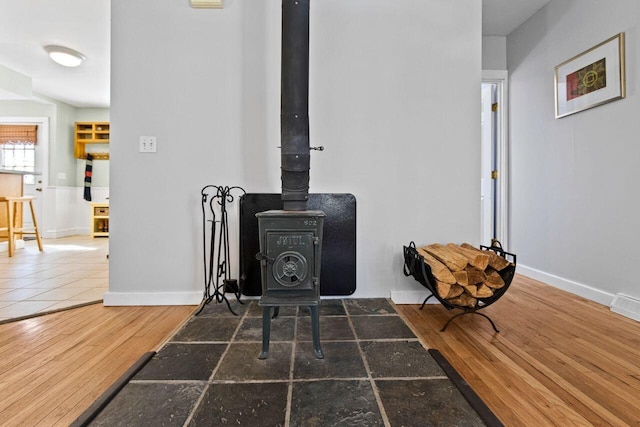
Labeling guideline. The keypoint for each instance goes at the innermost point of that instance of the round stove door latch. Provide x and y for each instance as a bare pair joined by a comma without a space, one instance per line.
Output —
290,269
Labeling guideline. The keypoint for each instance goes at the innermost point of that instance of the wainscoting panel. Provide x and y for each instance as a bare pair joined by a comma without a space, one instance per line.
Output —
66,213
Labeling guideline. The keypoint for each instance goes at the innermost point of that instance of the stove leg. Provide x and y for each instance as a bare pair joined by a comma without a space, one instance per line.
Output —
266,332
315,330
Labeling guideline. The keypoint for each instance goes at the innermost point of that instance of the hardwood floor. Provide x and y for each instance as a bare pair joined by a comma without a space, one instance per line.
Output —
54,366
558,360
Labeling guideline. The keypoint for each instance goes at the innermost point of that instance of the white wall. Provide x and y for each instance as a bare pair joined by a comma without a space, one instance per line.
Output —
574,188
394,98
494,53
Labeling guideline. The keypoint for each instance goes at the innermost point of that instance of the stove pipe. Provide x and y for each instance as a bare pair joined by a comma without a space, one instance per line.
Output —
294,110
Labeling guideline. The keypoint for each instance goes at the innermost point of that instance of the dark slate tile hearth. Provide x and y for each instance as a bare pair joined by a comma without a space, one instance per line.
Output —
205,329
332,328
334,403
182,362
375,372
436,400
359,307
341,360
248,404
241,363
328,307
381,327
392,359
146,404
282,329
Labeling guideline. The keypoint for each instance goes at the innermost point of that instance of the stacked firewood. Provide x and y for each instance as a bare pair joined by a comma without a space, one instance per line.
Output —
463,274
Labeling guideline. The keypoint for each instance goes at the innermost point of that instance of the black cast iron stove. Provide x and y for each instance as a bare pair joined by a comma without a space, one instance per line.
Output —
291,238
290,245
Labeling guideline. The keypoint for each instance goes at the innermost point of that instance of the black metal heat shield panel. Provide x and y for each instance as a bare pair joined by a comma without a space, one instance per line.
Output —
338,265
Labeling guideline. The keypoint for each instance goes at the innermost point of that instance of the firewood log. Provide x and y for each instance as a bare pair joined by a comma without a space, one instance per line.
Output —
494,280
474,275
474,258
462,278
455,291
484,291
464,300
453,260
443,289
495,261
471,290
438,269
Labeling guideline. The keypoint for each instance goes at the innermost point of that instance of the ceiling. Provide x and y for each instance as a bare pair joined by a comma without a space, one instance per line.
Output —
84,25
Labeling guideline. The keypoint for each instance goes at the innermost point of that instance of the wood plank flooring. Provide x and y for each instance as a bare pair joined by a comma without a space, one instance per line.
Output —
558,360
53,367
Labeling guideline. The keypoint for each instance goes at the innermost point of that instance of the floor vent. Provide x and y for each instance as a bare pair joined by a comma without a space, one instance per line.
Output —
626,306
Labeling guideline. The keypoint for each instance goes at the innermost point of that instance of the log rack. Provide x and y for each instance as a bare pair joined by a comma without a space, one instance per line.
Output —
415,266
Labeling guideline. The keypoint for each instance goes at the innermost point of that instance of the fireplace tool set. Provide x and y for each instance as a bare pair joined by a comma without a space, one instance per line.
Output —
215,246
415,266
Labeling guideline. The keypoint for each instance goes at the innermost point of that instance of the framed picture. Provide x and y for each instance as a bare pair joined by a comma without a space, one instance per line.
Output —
592,78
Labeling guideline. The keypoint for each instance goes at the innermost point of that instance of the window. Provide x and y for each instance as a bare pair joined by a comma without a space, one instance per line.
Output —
19,157
18,149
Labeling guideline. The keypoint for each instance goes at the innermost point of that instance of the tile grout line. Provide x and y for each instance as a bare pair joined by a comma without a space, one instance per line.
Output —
299,380
43,270
215,370
287,414
376,394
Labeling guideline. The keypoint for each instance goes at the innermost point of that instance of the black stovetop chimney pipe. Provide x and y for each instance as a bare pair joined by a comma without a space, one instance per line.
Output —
294,110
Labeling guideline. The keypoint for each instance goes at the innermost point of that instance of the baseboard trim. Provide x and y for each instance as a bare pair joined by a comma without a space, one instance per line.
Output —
65,232
4,246
580,289
152,298
411,297
627,306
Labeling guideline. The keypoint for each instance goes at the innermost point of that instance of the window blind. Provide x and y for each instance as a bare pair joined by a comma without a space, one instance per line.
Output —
18,134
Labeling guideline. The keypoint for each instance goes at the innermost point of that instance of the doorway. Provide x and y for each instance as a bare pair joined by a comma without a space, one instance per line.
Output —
494,159
33,184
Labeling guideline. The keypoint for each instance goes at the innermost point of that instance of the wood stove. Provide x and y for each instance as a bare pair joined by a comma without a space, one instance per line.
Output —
291,246
291,238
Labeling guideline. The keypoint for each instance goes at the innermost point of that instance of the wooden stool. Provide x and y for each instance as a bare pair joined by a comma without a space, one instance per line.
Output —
11,228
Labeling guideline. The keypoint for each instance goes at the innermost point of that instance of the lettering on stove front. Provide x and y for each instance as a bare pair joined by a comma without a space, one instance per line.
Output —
291,240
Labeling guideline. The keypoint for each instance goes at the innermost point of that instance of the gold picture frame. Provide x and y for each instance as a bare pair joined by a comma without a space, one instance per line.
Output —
591,78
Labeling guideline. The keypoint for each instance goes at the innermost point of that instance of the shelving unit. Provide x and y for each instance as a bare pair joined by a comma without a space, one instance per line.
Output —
99,220
90,133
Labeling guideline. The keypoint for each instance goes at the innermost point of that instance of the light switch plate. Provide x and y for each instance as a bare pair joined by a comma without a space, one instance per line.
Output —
148,144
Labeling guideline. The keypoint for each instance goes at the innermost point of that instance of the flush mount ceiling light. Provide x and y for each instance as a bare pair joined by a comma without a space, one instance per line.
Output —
65,56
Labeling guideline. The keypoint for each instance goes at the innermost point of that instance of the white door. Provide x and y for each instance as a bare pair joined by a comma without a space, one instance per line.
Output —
495,158
32,185
488,165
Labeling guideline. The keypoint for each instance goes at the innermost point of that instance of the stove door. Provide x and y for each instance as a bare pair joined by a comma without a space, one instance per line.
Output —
293,255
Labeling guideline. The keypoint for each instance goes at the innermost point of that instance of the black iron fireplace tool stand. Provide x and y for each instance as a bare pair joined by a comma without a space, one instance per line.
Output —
215,246
415,266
